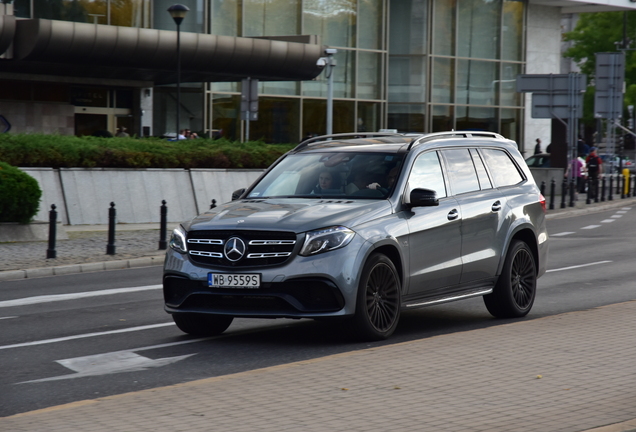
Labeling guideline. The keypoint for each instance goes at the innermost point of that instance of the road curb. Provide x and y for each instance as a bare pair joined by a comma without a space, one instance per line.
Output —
81,268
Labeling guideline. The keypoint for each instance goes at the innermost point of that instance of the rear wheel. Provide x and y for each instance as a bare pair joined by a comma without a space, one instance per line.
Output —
202,324
378,302
514,293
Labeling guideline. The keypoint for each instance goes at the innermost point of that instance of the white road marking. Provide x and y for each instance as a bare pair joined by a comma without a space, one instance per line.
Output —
86,335
561,234
8,317
616,216
109,363
608,220
591,227
621,211
578,266
74,296
626,208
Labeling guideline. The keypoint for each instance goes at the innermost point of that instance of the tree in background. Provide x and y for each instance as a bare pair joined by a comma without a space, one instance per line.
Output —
603,32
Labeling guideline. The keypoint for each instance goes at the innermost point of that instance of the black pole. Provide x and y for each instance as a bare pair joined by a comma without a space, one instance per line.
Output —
588,198
564,192
552,193
178,75
112,216
572,191
611,187
602,190
163,245
542,188
50,252
622,176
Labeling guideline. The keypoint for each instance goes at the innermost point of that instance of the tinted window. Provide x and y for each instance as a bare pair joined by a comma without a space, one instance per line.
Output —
427,174
461,171
484,180
502,168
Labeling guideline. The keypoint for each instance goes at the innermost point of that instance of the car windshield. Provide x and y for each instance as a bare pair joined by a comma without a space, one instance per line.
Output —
331,174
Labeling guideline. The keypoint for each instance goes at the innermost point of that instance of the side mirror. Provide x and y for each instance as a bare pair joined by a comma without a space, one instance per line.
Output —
423,198
237,194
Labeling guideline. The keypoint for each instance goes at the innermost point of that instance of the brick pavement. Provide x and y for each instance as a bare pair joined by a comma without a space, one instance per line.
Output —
569,372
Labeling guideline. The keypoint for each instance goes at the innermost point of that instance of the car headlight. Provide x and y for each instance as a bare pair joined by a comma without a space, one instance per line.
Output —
178,240
326,239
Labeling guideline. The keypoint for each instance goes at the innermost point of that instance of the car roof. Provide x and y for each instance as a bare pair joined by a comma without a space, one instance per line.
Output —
387,142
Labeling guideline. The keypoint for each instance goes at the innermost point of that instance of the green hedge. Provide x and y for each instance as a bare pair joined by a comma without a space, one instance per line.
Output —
58,151
19,195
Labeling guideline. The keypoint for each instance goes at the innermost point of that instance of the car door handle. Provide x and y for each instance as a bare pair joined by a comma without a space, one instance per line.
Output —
496,206
453,214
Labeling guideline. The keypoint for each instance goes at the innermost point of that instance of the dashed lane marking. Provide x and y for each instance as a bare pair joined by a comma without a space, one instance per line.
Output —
578,266
561,234
591,227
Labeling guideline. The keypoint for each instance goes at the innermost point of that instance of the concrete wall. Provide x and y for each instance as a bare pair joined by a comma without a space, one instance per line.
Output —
83,195
47,118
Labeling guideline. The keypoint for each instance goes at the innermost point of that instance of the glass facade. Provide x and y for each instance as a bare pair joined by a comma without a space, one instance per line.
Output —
410,65
469,63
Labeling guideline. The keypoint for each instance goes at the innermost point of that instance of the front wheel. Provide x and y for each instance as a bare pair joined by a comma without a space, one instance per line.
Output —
202,324
514,293
378,302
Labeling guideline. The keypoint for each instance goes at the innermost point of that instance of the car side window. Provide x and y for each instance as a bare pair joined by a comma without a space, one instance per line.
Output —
502,168
482,174
427,174
461,171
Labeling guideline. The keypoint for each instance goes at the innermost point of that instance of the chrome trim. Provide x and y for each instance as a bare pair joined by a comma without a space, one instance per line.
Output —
271,242
451,298
269,255
206,254
206,241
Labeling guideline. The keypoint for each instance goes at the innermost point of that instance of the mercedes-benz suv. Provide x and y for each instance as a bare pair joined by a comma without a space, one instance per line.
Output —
361,227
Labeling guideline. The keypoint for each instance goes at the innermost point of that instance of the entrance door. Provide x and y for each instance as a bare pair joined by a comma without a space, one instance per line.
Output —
90,124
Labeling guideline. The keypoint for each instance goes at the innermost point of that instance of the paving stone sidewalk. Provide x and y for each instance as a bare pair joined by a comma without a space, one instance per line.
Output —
569,372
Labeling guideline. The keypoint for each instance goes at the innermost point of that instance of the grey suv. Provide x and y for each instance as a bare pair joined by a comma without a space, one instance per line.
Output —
362,227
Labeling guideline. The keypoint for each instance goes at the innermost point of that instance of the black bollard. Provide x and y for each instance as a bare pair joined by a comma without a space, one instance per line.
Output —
572,192
163,245
602,190
552,193
542,188
611,186
588,198
50,252
564,192
213,205
112,217
622,185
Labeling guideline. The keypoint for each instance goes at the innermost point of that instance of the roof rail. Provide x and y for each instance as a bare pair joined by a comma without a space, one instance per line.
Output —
462,134
308,141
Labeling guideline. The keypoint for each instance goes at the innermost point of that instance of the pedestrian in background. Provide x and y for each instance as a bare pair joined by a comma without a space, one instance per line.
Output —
537,147
593,164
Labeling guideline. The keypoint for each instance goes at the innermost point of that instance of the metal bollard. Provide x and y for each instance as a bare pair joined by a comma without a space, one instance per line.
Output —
50,252
542,188
163,245
552,193
589,183
602,190
622,185
572,192
611,186
112,217
213,205
564,192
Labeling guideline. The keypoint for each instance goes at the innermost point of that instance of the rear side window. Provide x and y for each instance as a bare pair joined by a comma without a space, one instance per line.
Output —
461,171
484,180
503,170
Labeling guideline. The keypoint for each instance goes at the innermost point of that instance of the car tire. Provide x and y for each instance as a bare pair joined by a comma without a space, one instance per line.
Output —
515,290
379,299
202,324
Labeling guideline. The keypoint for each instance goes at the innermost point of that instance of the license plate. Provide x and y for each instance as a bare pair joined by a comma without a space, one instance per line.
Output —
228,280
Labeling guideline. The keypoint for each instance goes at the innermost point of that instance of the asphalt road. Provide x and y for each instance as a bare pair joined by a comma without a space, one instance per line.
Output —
99,334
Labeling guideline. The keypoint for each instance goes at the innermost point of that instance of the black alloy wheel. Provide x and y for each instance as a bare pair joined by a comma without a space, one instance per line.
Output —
198,324
515,291
378,303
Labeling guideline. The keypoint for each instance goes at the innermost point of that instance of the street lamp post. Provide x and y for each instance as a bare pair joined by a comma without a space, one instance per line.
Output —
178,13
331,63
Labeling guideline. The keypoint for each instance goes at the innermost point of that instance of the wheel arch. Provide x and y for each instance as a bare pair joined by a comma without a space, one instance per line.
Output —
527,236
394,255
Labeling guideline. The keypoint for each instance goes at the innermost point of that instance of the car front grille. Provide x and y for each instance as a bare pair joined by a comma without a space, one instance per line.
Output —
240,248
